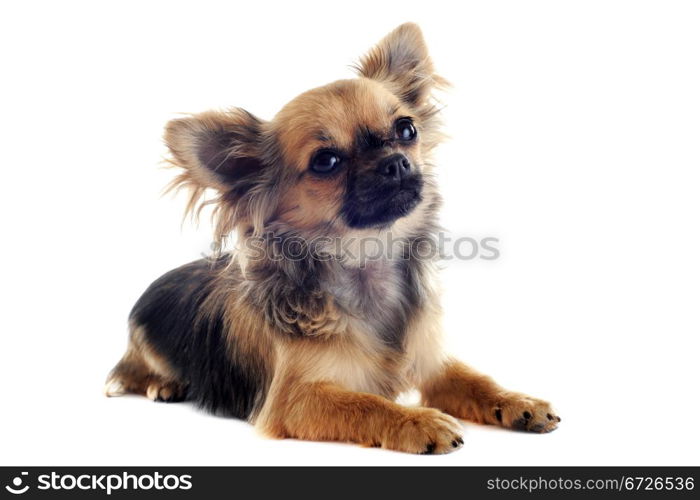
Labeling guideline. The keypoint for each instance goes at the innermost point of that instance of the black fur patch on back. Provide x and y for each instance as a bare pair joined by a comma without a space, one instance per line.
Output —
218,378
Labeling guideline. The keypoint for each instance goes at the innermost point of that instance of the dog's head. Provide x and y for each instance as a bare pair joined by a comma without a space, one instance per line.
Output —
347,156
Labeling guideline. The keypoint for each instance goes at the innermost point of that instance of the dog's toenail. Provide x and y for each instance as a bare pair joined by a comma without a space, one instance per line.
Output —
549,416
558,419
499,415
527,415
430,449
454,444
460,440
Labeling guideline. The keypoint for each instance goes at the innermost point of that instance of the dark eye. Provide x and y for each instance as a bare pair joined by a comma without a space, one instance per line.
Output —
405,130
325,161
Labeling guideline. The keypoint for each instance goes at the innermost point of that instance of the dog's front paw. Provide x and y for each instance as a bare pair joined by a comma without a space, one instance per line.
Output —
426,431
524,413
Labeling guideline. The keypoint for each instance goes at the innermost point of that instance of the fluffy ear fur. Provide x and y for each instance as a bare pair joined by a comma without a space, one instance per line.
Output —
215,148
225,151
401,62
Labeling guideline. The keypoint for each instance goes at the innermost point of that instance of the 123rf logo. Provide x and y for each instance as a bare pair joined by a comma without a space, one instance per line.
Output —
106,483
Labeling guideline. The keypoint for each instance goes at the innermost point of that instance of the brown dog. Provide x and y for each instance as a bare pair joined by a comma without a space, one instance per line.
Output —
291,331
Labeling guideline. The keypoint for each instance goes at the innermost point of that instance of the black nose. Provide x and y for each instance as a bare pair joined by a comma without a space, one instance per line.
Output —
394,166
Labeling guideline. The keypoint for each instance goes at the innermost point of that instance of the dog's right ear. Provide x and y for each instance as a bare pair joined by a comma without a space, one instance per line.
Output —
217,149
227,151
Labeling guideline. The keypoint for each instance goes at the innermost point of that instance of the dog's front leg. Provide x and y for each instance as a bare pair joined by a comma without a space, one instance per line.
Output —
467,394
323,411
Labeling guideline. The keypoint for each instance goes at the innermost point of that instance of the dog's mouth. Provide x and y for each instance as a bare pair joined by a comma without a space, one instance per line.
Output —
378,206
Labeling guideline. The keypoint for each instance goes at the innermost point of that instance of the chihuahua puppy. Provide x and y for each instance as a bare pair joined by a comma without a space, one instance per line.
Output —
309,343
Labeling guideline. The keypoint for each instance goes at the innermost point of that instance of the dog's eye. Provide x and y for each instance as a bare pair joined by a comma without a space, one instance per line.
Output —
325,161
405,130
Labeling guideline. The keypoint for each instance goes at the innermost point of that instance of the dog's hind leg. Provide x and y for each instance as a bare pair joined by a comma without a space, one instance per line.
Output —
142,371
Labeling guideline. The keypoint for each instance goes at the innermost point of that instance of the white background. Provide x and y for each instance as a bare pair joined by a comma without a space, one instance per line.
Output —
575,140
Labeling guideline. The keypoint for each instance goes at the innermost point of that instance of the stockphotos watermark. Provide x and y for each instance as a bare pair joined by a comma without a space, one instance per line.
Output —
363,250
105,483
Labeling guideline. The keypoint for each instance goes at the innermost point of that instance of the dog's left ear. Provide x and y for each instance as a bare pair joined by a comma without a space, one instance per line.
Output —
401,62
